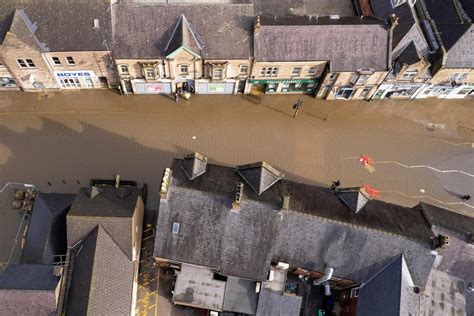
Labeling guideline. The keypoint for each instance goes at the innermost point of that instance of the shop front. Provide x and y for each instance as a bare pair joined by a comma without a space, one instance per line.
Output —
7,83
80,79
447,91
152,87
284,85
215,87
398,90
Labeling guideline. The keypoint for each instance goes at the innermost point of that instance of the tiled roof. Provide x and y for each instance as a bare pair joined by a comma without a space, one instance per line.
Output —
240,296
389,292
350,44
273,303
111,208
102,278
243,243
47,230
409,55
29,277
76,19
183,36
227,36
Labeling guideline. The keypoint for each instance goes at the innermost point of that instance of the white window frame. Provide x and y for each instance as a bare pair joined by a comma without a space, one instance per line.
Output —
149,71
296,71
409,74
180,68
22,63
314,72
458,76
365,91
56,60
70,61
362,79
269,71
121,68
175,229
246,72
219,75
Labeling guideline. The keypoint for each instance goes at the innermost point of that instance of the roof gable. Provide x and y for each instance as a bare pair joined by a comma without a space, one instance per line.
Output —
260,176
409,55
194,165
101,272
183,37
23,29
355,198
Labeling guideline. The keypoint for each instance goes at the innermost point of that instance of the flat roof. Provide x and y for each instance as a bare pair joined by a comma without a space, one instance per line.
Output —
196,286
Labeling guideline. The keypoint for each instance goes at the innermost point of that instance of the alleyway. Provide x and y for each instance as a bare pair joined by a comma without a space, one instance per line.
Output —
60,141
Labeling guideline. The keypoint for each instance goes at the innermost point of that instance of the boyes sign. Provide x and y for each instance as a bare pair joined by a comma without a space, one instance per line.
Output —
74,74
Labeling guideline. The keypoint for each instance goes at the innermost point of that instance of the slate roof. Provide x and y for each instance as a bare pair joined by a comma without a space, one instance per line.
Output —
111,208
183,36
228,36
102,278
409,55
457,223
29,277
350,43
317,222
456,31
47,229
77,17
259,176
390,292
194,165
240,296
275,304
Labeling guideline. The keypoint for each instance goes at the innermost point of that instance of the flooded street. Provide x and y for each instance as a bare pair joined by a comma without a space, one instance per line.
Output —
60,141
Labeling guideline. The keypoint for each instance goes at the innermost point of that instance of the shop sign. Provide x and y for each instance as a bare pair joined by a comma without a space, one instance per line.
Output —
288,81
74,74
153,88
216,88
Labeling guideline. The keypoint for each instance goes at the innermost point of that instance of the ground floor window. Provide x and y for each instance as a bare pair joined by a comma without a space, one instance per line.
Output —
465,91
89,83
70,83
365,91
345,93
7,82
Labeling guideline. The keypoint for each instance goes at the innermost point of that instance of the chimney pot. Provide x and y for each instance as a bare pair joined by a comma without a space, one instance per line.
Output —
238,196
165,183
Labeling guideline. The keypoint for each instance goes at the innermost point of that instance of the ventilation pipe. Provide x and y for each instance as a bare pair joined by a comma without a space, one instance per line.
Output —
326,277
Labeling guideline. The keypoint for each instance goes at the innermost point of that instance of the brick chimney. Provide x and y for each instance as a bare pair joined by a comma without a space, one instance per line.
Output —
256,28
165,183
238,196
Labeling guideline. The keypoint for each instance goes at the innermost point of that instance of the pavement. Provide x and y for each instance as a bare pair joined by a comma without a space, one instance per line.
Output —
59,141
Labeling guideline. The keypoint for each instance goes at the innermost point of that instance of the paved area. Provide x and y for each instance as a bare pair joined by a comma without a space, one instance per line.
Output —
59,142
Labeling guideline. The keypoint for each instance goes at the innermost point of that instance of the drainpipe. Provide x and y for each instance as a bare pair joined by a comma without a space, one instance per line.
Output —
326,277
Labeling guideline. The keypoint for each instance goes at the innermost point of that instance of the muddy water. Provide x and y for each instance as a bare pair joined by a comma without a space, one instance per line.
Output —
60,141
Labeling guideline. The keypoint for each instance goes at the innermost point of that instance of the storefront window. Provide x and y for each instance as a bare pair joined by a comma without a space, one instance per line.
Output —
89,83
272,87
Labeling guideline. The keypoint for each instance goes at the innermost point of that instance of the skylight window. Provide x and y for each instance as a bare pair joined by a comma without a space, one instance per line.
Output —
175,229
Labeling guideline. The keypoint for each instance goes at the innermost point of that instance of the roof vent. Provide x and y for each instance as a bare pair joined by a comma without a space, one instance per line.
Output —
354,198
238,196
334,17
96,24
194,165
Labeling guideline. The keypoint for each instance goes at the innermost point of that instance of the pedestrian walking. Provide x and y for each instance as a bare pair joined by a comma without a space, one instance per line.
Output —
466,197
297,107
176,96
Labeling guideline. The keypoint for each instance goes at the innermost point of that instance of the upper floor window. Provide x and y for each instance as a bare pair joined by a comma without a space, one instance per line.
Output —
312,71
296,71
458,76
332,75
56,60
183,69
244,70
26,63
409,74
150,73
70,61
362,79
217,73
124,69
268,71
